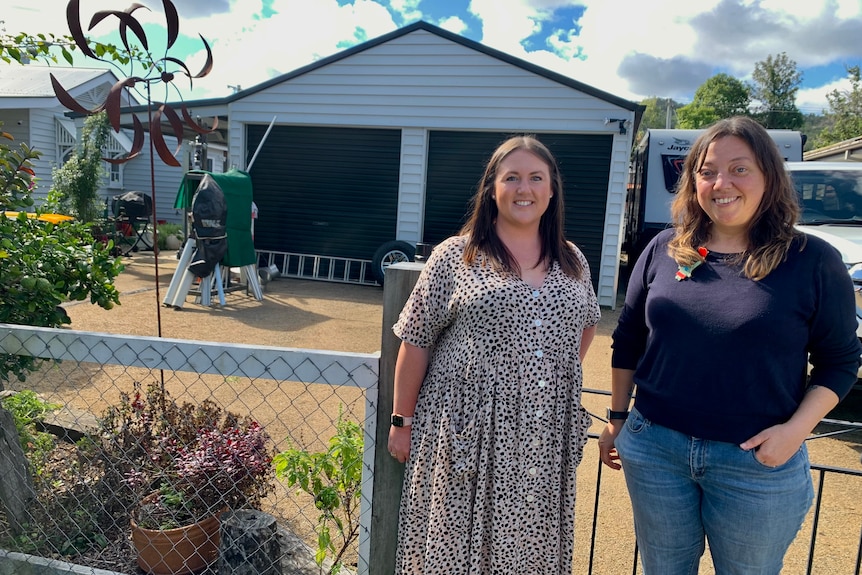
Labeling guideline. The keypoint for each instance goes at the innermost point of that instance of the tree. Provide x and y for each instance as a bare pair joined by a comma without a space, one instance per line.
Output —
844,117
693,116
77,182
721,96
811,128
23,47
776,82
43,264
656,113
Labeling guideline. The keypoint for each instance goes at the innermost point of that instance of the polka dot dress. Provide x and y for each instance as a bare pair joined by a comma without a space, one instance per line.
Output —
498,430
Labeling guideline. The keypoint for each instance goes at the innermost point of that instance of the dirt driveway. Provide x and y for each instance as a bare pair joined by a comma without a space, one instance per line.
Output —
331,316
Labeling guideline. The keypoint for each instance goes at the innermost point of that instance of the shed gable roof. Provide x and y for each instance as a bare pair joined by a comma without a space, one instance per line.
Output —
424,26
30,86
35,82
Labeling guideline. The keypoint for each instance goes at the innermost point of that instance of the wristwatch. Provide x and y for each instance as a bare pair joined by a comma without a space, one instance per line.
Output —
400,421
611,414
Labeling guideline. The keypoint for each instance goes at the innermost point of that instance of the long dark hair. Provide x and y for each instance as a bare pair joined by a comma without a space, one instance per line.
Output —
772,228
480,229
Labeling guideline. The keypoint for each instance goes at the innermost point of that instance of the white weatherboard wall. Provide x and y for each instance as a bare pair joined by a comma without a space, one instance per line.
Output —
420,82
411,184
33,115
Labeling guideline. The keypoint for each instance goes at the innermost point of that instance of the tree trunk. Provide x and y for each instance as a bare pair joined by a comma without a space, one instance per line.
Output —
249,544
16,486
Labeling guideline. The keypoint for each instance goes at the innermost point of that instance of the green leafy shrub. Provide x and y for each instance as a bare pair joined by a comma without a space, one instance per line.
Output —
78,180
168,229
43,264
28,410
334,479
68,516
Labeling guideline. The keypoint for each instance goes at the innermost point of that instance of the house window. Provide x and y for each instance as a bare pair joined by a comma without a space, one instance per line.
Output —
115,148
115,174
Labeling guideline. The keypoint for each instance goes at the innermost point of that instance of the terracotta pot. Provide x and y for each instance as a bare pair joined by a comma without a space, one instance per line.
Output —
177,551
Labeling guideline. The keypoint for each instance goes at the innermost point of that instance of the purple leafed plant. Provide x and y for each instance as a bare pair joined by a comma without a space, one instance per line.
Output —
199,458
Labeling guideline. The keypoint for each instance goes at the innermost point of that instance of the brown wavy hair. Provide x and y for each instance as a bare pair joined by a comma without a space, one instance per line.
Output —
771,230
480,228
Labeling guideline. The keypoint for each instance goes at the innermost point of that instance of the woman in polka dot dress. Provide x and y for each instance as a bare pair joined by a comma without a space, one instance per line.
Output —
487,412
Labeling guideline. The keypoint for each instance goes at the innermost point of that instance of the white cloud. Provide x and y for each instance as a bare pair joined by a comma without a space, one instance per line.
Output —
453,24
813,100
630,48
408,9
249,50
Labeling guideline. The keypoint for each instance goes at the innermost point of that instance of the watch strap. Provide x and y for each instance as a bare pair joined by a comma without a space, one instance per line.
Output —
398,420
617,414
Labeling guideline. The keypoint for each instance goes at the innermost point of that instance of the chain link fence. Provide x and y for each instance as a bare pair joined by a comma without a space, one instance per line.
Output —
115,418
107,420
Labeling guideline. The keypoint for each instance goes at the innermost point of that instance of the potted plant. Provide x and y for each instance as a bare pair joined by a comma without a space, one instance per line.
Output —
177,467
170,236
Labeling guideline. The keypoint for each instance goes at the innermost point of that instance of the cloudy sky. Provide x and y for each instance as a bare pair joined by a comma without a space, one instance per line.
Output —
630,48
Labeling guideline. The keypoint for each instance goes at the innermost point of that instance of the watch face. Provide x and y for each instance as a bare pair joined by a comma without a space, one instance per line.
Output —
397,421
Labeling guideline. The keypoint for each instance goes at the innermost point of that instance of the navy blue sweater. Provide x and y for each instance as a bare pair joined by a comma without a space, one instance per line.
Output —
719,356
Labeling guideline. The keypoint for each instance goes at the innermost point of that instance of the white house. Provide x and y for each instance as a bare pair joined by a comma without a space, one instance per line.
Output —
31,113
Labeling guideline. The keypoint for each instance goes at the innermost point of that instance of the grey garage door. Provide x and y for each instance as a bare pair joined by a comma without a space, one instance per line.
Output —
456,161
325,191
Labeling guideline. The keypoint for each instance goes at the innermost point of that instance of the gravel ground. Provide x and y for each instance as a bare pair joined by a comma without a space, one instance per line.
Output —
321,315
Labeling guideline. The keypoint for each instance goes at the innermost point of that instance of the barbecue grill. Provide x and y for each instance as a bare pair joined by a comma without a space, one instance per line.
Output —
132,213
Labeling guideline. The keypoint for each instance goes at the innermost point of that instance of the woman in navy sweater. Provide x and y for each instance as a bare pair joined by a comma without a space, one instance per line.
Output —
722,315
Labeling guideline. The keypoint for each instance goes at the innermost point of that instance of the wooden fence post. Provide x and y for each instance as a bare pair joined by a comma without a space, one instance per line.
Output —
16,487
388,473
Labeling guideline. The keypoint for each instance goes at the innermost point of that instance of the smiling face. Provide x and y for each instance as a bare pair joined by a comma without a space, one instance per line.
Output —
522,190
730,185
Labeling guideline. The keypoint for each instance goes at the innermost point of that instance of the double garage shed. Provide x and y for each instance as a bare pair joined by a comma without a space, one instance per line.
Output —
380,147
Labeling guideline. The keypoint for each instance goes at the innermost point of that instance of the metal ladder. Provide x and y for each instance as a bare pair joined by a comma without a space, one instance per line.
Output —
323,268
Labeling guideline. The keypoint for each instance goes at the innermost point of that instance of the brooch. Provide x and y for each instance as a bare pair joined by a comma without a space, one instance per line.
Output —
684,272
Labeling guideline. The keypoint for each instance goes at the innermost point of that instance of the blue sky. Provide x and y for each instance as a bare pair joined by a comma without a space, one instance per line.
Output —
630,48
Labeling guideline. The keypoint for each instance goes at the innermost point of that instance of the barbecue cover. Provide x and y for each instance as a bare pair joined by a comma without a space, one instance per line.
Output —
132,205
237,189
209,219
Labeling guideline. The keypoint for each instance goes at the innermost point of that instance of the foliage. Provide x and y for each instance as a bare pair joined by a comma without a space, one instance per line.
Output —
844,117
43,264
27,411
70,514
721,96
78,180
168,229
693,116
655,114
69,532
200,458
811,129
776,82
334,479
23,47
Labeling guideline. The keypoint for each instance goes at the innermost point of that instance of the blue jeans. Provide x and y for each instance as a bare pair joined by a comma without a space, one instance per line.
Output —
684,489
